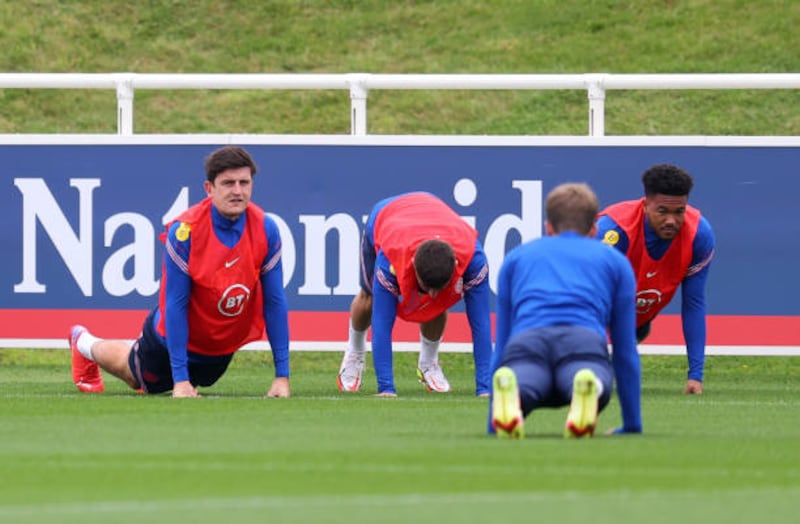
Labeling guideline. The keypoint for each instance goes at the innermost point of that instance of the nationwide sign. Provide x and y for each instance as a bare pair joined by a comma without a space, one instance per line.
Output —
83,219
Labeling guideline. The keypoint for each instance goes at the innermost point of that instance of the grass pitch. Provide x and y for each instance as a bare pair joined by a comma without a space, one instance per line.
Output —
731,455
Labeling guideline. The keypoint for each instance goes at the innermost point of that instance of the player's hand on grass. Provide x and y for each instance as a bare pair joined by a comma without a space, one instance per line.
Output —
693,387
387,394
184,389
623,431
279,388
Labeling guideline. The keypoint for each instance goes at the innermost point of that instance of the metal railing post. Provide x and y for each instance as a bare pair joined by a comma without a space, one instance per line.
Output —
597,105
124,103
358,103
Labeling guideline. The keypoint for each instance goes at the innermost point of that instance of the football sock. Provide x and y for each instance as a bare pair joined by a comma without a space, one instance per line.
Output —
84,344
428,353
356,341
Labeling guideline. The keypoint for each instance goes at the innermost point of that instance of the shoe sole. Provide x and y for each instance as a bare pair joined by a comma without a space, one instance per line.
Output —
343,388
85,387
507,419
582,416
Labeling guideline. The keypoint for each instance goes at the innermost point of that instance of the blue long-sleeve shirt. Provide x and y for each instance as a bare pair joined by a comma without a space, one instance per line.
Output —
179,287
385,291
693,286
570,279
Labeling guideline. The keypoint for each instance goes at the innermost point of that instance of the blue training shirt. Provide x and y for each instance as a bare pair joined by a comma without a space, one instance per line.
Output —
179,286
385,291
570,279
693,287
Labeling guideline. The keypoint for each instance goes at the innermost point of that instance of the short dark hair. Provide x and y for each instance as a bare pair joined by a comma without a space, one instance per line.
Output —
667,179
228,157
435,261
572,207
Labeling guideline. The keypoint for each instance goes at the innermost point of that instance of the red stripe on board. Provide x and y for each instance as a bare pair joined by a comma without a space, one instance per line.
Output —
732,330
55,323
314,326
311,326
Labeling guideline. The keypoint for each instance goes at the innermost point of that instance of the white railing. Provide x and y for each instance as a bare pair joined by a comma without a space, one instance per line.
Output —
359,85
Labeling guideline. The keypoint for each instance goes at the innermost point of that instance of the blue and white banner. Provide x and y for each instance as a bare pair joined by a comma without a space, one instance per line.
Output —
83,220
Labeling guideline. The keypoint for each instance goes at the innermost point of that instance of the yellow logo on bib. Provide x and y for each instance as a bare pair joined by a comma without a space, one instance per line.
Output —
183,231
611,237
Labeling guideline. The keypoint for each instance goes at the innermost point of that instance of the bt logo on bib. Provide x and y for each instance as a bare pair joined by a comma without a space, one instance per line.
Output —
233,300
646,299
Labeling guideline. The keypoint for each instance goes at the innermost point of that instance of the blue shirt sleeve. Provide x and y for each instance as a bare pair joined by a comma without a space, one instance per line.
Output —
476,300
606,224
502,322
384,312
502,310
625,358
178,288
276,310
693,302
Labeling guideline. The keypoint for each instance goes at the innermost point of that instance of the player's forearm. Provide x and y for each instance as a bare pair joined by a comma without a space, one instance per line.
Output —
693,319
503,330
694,330
177,327
278,333
383,317
177,339
382,359
480,324
276,318
628,375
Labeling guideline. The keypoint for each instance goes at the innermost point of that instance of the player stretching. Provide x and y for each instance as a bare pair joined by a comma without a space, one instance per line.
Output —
222,283
418,258
669,244
557,297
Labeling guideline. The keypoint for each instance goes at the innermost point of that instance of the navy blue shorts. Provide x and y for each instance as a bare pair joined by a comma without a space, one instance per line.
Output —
149,363
545,361
643,331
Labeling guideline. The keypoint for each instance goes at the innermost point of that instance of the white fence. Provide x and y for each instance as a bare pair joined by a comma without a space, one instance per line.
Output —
359,84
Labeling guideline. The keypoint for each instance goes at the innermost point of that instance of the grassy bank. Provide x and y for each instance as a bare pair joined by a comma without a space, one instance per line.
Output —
436,36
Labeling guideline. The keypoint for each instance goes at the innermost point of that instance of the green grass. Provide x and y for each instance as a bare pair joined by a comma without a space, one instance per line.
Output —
730,455
410,36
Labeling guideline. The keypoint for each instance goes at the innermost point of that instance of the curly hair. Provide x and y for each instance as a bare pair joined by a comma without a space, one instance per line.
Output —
667,179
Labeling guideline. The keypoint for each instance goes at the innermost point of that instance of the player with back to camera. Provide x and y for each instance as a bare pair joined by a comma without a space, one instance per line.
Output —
418,258
669,244
222,283
557,299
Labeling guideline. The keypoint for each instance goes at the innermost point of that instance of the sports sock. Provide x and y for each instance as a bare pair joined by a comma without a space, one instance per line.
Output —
356,341
84,344
428,353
